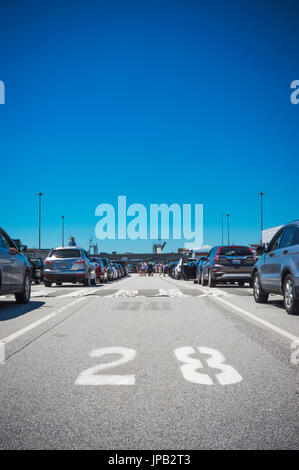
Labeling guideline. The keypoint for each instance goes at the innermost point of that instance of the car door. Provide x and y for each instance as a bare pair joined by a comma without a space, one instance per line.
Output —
6,264
289,247
272,263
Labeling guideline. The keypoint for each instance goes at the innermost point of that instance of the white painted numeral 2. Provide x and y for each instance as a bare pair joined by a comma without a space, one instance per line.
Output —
189,369
90,376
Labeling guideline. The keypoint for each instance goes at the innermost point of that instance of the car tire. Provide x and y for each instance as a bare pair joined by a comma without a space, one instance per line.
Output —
203,282
24,296
241,283
290,303
86,281
93,281
260,296
211,281
48,284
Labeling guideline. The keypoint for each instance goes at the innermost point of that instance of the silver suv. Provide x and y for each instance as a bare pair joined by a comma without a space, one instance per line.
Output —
15,271
277,270
70,264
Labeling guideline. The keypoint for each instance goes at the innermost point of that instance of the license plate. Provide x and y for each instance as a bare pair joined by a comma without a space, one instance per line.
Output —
236,261
64,266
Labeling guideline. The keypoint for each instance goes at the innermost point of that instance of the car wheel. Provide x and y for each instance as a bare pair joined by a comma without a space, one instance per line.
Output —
203,282
211,281
48,284
241,283
94,280
260,296
37,282
24,296
290,303
86,281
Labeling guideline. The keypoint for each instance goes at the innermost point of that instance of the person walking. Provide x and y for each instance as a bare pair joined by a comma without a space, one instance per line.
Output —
150,269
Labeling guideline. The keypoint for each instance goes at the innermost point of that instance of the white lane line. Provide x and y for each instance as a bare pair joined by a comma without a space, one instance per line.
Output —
42,293
33,325
240,310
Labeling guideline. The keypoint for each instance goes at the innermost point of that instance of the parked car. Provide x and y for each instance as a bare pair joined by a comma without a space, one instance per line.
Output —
277,270
101,272
202,260
37,269
185,268
14,270
228,264
116,271
108,268
70,264
172,270
124,267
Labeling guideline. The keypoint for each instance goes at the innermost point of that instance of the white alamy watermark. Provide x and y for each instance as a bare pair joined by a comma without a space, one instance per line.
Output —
136,222
295,94
2,92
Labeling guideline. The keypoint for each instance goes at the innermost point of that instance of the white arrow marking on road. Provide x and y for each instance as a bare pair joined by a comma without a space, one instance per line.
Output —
125,293
171,293
81,292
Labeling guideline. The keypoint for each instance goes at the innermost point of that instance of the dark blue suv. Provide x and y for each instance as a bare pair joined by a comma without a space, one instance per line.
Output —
277,270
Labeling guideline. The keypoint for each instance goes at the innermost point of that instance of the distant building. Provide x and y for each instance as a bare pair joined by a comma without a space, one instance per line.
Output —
269,233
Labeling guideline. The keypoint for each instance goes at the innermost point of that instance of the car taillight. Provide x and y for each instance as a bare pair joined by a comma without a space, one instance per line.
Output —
81,261
253,255
47,262
217,255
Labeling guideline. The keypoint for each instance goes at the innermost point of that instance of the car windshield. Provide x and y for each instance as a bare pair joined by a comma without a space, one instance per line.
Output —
235,251
67,253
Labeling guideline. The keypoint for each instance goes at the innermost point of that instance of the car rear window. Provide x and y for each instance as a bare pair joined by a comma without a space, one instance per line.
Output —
65,254
235,251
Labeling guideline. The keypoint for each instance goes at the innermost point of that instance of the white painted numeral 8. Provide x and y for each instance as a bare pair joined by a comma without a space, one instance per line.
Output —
229,375
90,376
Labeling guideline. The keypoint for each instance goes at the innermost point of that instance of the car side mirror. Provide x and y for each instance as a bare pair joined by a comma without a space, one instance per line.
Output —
23,248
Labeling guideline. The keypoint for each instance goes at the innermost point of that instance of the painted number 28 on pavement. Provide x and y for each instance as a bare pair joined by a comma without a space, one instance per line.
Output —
218,370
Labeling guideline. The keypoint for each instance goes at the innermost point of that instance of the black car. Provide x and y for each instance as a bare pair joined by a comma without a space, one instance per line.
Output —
37,270
277,270
14,270
228,264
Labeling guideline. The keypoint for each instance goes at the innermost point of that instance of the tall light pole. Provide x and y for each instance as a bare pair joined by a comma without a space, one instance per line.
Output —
222,229
39,219
261,194
227,215
62,217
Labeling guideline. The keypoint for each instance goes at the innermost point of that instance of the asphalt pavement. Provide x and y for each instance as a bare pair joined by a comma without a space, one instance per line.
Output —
148,363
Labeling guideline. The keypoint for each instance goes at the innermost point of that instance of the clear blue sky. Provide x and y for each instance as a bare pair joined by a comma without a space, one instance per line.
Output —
162,101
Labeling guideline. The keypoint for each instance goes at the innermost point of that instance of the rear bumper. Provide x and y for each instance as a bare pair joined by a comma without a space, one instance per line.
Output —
232,276
65,277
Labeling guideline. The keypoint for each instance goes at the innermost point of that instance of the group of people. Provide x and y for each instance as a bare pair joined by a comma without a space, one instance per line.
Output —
149,269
